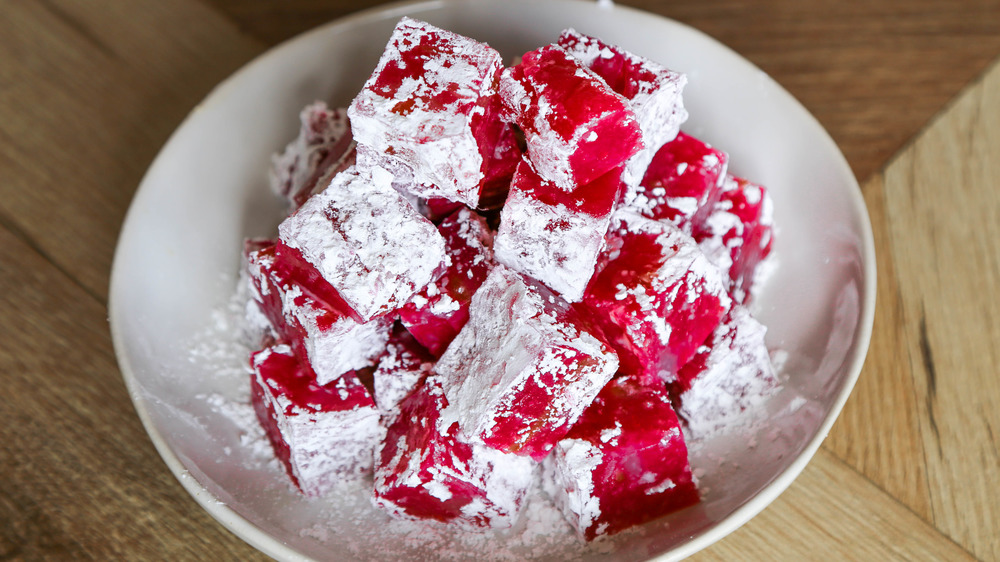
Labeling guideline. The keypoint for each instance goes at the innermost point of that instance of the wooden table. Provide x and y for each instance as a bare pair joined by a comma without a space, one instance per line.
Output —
909,89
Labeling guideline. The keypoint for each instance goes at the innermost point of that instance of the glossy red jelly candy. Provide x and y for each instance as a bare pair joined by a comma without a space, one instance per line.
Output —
656,296
523,368
319,327
321,434
624,462
424,470
430,111
555,235
576,128
682,183
729,378
366,241
438,311
736,235
652,90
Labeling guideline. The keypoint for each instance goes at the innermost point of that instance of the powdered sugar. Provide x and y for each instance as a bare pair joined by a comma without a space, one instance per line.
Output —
366,241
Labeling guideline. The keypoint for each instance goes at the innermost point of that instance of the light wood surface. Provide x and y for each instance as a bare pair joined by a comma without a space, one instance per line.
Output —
909,89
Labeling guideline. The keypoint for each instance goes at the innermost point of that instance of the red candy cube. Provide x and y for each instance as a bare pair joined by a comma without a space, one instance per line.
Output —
366,241
403,365
438,311
429,112
323,148
319,326
682,183
657,297
576,128
424,470
736,235
729,378
320,433
624,462
555,235
523,368
652,90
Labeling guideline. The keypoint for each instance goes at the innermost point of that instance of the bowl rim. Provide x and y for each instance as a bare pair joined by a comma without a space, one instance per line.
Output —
273,547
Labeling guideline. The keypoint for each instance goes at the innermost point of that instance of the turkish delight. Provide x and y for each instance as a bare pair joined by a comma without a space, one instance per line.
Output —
510,267
736,235
321,434
523,368
576,128
400,369
326,334
323,147
729,377
367,242
656,296
624,462
682,183
429,110
438,311
425,470
555,235
652,90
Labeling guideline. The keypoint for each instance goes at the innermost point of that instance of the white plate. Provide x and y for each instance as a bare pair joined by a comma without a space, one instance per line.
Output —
179,252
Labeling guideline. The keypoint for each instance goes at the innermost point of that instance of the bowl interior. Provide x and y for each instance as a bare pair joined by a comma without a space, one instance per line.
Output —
176,327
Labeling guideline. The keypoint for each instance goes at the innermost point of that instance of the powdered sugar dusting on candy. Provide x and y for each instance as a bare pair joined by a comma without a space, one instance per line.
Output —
320,433
366,241
432,96
652,90
324,142
656,294
523,368
575,126
562,347
729,379
554,235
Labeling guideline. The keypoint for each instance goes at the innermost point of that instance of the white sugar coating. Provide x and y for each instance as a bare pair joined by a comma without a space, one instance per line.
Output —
334,344
334,348
684,261
395,377
508,479
323,445
725,233
367,241
568,478
501,480
657,100
322,129
513,339
552,243
345,519
737,380
550,150
405,117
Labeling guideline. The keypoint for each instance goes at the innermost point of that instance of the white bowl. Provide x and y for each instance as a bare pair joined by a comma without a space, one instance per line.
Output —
177,259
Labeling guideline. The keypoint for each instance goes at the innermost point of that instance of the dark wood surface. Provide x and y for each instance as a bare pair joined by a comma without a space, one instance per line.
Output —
909,89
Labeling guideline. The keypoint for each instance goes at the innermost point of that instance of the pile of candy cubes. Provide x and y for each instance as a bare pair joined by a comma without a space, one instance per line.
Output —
498,279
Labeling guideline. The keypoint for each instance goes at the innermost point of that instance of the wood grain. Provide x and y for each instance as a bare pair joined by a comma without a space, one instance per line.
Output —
833,513
944,215
88,97
81,478
923,422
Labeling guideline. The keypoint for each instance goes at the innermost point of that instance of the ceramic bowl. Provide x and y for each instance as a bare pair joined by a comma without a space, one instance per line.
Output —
177,334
